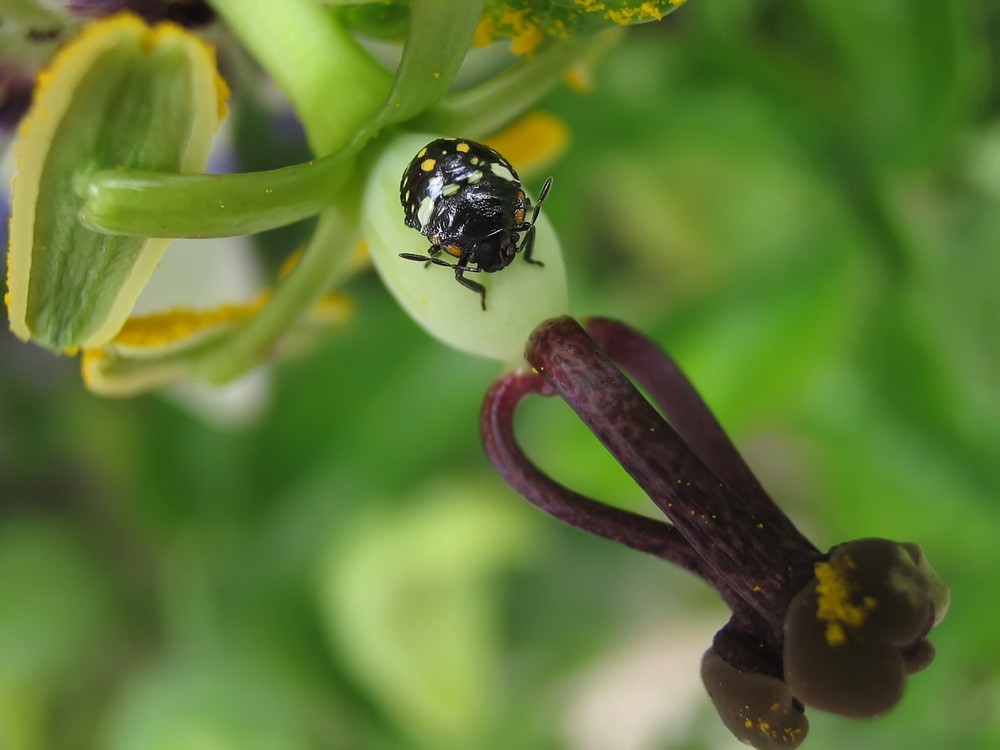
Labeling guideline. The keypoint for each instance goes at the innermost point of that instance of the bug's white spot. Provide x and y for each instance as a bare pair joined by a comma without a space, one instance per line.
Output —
475,177
424,211
502,172
451,188
434,187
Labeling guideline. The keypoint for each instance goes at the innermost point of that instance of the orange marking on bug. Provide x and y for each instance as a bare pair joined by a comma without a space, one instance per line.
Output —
454,251
428,165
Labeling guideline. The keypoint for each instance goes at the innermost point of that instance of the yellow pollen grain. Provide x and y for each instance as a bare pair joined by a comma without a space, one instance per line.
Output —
516,25
834,601
428,164
486,32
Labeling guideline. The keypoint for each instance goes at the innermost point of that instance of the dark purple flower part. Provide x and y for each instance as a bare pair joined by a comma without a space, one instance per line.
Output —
15,95
191,13
838,631
25,48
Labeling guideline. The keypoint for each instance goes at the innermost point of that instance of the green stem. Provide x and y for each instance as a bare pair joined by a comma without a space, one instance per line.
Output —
324,259
149,204
154,204
485,108
334,85
440,33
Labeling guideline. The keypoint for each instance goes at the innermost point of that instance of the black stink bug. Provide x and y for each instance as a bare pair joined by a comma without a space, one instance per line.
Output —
468,200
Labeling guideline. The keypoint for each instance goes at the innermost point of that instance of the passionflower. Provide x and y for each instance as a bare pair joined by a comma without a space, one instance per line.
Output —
111,159
838,631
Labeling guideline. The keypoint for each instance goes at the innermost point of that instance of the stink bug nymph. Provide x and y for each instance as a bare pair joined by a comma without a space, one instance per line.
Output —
468,201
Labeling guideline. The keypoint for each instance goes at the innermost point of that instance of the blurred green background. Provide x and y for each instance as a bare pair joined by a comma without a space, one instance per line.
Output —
800,201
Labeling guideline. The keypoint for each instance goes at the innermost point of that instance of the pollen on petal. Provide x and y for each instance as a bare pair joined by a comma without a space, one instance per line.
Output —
516,25
835,605
160,330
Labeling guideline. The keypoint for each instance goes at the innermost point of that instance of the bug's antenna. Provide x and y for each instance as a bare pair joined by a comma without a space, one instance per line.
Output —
541,197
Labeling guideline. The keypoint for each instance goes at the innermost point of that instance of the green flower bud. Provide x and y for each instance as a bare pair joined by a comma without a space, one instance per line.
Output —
520,296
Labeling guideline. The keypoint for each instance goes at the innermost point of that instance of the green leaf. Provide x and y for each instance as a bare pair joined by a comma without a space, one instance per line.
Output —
529,22
408,603
440,33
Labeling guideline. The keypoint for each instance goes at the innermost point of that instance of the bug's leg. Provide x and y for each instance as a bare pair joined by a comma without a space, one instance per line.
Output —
460,270
528,242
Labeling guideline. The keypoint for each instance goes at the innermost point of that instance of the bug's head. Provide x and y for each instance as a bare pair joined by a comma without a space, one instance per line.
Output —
495,251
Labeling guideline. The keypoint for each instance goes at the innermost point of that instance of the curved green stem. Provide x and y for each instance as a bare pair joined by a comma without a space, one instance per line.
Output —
440,33
158,204
334,85
484,108
324,259
149,204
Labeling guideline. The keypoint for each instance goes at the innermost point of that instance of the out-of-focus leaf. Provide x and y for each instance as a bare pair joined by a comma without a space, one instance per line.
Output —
209,703
408,604
55,603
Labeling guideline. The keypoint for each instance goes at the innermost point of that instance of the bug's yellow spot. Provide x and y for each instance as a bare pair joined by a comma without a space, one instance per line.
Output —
428,165
748,724
422,153
462,148
836,605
